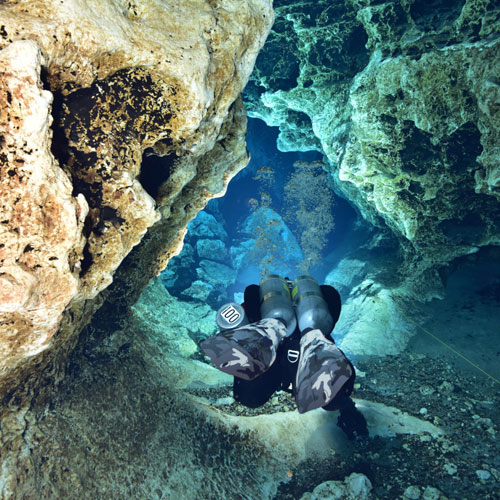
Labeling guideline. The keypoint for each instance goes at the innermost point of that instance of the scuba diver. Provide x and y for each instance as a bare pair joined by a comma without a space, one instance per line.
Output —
280,339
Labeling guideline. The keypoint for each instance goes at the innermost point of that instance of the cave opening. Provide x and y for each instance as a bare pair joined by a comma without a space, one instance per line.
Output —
252,230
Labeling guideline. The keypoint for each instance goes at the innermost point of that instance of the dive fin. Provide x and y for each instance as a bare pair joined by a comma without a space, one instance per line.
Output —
248,351
322,372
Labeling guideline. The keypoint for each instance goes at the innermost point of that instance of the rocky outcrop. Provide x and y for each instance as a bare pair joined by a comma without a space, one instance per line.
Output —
402,97
211,264
200,271
267,246
127,82
147,126
41,241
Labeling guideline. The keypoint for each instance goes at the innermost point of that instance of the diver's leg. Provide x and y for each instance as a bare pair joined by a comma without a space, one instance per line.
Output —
350,420
247,351
323,372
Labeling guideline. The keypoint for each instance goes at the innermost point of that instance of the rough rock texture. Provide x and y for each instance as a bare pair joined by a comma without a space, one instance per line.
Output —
41,240
129,80
147,127
185,323
403,98
200,271
269,247
355,487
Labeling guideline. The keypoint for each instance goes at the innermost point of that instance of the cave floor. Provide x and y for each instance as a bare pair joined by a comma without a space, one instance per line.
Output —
466,406
466,320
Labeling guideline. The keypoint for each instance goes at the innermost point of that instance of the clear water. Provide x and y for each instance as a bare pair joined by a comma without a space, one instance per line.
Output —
438,362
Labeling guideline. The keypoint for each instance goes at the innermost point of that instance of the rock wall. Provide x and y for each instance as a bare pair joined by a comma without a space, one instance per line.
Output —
126,81
118,122
41,240
403,98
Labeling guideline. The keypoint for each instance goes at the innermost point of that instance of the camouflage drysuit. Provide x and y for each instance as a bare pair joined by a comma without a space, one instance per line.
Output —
263,359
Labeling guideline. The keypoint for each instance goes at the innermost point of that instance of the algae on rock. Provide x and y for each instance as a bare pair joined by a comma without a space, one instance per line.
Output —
403,100
147,127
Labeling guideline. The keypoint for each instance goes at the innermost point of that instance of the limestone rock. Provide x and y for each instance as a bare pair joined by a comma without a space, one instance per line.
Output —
206,226
199,290
412,493
147,128
211,249
403,100
347,274
216,274
272,245
178,266
372,321
431,493
405,159
240,252
355,487
157,311
41,240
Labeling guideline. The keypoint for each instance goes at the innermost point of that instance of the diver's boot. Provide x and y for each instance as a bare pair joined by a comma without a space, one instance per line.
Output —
322,373
248,351
353,422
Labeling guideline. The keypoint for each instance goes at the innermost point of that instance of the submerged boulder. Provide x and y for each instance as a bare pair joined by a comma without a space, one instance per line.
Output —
216,274
373,321
271,248
205,225
211,249
355,487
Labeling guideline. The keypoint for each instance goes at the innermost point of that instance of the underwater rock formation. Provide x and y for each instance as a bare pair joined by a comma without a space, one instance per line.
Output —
128,81
200,270
270,247
147,126
41,241
403,98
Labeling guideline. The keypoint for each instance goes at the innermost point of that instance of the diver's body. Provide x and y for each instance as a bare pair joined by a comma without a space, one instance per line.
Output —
270,354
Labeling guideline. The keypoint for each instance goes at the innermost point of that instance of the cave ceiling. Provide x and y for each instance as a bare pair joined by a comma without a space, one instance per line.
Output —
403,100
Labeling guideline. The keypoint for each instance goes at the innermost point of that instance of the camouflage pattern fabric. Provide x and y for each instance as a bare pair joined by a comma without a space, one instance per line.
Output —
322,372
248,351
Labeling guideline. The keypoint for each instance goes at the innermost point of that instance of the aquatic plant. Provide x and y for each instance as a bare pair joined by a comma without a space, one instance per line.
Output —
308,210
265,176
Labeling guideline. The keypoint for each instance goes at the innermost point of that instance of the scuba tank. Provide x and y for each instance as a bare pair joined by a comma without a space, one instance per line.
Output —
276,301
311,307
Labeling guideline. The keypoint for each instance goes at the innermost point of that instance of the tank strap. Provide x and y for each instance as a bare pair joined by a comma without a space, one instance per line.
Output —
306,294
283,293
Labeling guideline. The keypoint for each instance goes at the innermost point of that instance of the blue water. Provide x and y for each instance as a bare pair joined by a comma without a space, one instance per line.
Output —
281,247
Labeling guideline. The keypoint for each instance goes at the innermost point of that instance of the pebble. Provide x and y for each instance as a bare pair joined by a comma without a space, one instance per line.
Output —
423,411
483,474
431,493
425,390
450,468
412,493
446,387
358,485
